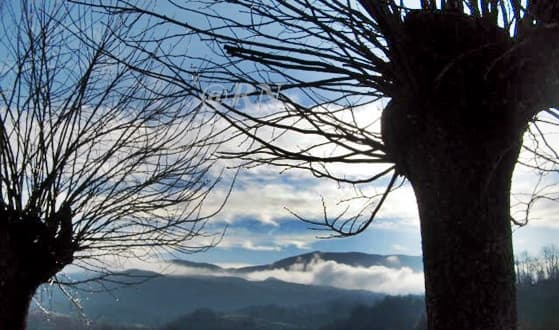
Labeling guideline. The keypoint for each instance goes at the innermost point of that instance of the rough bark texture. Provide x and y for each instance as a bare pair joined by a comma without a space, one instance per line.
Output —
454,128
32,251
461,176
467,243
15,298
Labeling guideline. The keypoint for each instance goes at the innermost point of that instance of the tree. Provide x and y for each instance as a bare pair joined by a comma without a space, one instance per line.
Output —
462,81
532,270
97,161
551,262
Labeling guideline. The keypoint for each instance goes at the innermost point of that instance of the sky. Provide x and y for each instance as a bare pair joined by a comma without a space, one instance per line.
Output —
260,229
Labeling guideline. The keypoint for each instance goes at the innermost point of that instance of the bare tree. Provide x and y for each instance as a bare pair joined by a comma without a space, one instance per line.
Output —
524,269
97,160
551,261
462,82
531,270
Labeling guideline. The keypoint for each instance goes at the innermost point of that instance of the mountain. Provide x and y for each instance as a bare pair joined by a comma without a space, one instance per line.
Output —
537,310
391,313
355,259
230,301
205,319
156,299
39,320
163,297
199,265
269,317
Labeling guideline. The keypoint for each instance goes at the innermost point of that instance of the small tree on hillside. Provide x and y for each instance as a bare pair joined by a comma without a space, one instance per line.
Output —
96,159
462,82
531,270
551,261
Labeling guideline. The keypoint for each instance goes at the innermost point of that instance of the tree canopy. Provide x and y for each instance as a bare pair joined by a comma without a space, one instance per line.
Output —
457,84
97,160
324,67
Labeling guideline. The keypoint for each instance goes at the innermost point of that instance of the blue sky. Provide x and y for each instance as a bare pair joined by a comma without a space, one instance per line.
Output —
260,229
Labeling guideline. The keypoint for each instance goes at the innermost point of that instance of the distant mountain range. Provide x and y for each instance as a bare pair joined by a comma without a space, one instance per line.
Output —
164,298
354,259
167,297
195,302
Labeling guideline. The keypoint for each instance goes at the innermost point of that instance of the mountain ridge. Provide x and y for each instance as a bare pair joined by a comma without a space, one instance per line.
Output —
354,259
163,297
167,297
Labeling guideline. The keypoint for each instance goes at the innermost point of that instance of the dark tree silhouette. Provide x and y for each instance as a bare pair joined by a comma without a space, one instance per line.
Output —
551,261
531,270
96,160
462,82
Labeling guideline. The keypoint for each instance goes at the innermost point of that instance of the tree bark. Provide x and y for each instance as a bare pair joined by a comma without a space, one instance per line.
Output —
15,299
16,286
31,254
454,129
468,258
467,242
461,173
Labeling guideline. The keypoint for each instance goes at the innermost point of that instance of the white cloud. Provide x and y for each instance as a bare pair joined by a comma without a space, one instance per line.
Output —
544,209
267,241
330,273
527,182
265,202
233,264
249,245
401,208
379,279
395,260
266,198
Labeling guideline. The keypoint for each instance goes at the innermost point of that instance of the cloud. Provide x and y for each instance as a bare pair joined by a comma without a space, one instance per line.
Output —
330,273
394,281
529,182
267,198
535,197
265,202
395,260
263,194
251,246
270,240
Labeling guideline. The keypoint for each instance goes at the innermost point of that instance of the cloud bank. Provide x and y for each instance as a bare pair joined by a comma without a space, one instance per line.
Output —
330,273
393,281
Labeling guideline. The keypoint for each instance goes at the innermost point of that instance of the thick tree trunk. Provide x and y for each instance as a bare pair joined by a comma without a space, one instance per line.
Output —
467,246
461,171
16,286
467,242
454,128
30,254
15,298
468,258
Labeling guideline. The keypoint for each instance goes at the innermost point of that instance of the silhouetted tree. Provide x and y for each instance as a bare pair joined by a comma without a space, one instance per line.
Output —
525,268
551,261
531,270
462,82
97,161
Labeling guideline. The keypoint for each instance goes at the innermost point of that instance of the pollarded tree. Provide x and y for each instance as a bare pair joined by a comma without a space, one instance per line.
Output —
97,161
463,81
